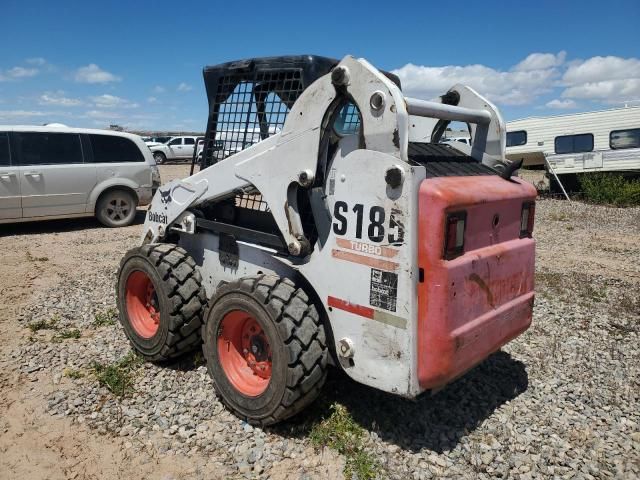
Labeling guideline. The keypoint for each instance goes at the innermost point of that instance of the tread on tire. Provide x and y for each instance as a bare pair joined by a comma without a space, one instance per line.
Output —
298,343
181,298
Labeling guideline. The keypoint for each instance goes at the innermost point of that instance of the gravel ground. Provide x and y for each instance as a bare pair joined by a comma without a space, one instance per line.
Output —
560,401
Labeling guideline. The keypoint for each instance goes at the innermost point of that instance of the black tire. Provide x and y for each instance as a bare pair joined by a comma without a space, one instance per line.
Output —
180,299
298,347
159,157
116,208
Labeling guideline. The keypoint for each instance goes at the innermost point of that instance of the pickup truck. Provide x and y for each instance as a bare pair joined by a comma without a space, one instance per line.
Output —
176,148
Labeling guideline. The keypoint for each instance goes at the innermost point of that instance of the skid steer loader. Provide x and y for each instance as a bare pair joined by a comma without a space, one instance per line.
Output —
329,225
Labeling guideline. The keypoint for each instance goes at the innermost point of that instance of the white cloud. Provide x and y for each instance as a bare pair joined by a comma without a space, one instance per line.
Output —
21,72
608,91
58,98
92,73
159,89
184,87
103,114
145,116
561,104
597,69
603,79
38,61
21,113
16,73
11,115
512,87
111,101
541,61
104,117
152,100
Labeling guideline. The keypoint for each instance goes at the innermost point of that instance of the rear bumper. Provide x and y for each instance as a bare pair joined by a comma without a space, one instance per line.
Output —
457,351
145,195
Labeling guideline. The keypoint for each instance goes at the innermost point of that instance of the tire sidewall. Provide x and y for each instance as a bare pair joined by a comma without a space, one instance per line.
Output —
101,209
263,405
152,346
159,157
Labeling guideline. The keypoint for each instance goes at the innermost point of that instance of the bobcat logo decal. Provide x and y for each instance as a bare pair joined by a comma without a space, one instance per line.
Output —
165,196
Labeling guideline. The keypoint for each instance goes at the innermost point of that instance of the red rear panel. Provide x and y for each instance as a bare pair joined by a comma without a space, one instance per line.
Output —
473,304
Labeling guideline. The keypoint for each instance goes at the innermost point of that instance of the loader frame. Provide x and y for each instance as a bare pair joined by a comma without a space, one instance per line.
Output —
308,185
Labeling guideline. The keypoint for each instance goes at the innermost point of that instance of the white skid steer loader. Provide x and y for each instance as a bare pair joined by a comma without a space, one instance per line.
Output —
329,225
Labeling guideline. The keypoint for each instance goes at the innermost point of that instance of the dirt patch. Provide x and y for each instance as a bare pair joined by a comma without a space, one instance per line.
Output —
34,444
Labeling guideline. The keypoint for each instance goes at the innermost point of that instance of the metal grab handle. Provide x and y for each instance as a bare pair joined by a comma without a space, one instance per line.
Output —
423,108
7,176
32,174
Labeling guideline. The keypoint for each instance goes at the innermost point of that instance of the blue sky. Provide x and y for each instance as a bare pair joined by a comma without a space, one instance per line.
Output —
139,64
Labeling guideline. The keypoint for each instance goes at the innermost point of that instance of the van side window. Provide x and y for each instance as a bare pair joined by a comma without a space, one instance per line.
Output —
574,143
45,148
630,138
189,141
112,149
5,157
515,139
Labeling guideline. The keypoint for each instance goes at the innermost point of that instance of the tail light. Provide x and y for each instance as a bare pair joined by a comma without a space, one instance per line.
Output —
527,218
454,234
155,176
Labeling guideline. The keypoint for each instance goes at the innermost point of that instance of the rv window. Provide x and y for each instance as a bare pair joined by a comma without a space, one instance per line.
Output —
574,143
630,138
515,139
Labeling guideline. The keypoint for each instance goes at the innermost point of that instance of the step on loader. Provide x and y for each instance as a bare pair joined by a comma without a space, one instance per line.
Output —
330,225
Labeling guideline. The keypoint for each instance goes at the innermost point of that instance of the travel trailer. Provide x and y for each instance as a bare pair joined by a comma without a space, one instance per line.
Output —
602,141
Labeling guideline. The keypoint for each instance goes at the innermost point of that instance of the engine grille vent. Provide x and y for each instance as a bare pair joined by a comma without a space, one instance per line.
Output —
442,160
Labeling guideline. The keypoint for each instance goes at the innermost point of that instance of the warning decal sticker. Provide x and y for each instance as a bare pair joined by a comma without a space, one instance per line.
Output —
384,289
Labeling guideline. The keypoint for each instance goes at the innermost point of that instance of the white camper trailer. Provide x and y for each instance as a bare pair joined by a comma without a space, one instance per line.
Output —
602,141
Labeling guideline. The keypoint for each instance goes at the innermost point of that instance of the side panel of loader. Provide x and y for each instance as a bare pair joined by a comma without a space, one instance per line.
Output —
365,273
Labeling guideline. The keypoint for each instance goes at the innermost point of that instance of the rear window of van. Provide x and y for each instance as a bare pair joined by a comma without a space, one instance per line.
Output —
112,149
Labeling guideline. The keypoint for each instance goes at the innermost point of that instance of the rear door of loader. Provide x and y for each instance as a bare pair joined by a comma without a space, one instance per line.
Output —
477,255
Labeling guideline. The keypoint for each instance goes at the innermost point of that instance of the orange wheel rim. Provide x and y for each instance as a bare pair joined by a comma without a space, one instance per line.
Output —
244,353
143,308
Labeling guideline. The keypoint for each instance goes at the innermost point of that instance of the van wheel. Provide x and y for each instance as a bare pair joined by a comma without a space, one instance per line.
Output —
116,208
159,157
265,347
160,300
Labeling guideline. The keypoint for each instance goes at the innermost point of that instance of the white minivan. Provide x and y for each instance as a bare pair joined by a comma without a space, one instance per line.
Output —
62,172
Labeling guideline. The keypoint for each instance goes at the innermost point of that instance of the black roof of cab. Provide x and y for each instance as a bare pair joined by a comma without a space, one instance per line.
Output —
244,96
